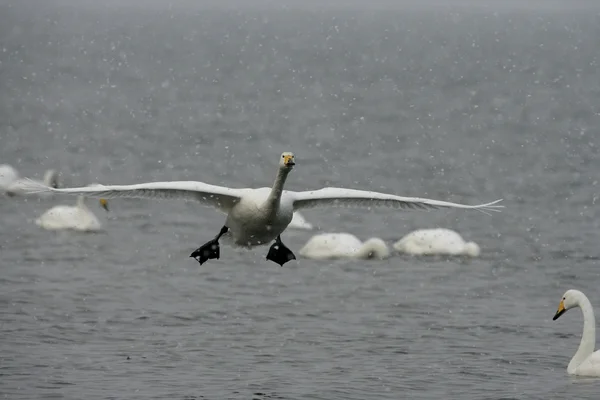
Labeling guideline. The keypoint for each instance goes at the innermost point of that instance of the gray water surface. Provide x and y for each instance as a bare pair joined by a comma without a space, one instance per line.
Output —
458,104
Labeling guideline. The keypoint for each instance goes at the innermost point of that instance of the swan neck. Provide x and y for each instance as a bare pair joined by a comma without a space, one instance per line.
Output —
365,252
50,179
372,249
81,202
277,189
588,338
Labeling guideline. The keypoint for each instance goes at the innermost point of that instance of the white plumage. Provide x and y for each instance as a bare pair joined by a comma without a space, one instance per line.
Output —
299,222
257,216
12,185
436,241
327,246
78,217
586,361
8,175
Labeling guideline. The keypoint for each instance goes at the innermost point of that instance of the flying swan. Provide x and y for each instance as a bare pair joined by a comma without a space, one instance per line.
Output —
585,362
257,216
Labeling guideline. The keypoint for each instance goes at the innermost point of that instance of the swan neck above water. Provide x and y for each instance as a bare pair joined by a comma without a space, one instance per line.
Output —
81,202
277,189
51,178
588,338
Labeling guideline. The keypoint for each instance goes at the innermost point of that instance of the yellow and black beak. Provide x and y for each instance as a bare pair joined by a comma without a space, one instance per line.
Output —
561,310
289,161
104,204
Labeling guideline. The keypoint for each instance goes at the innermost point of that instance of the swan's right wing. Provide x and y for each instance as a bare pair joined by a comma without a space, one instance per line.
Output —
342,197
222,198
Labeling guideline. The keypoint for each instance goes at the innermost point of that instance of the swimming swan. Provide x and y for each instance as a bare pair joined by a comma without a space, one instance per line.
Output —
436,241
585,362
7,176
257,216
298,222
328,246
78,217
12,185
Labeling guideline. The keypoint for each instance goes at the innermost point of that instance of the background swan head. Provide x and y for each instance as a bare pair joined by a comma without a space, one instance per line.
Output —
81,200
375,248
472,249
569,300
104,204
287,160
51,178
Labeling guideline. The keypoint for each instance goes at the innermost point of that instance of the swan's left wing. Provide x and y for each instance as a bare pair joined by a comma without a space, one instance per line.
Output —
340,197
222,198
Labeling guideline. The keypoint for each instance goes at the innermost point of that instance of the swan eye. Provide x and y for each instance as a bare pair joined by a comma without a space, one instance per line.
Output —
564,298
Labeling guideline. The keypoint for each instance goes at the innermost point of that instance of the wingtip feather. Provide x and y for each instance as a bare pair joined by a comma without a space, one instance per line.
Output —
29,186
489,207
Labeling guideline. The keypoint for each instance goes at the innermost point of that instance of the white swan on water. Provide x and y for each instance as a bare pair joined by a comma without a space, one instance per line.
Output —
8,175
12,185
257,216
436,241
328,246
78,217
586,361
299,222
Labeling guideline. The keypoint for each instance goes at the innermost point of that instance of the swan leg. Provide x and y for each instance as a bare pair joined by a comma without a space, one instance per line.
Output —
210,249
279,253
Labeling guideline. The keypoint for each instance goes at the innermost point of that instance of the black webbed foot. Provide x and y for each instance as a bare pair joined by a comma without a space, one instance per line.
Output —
209,250
279,253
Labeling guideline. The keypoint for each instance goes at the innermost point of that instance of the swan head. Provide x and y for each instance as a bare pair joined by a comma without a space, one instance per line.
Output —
104,204
472,249
569,300
375,248
287,160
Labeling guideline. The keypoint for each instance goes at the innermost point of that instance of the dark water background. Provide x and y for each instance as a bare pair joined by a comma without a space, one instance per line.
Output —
465,104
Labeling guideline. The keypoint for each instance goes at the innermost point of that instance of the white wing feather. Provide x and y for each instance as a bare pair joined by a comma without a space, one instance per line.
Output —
590,366
220,197
340,197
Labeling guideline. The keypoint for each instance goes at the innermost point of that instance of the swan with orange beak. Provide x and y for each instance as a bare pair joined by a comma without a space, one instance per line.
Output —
256,217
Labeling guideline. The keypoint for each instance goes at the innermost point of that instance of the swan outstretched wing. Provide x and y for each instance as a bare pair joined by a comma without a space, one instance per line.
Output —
222,198
340,197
